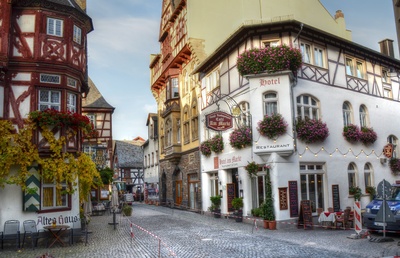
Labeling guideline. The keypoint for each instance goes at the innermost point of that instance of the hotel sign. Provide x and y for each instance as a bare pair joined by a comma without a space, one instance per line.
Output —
219,121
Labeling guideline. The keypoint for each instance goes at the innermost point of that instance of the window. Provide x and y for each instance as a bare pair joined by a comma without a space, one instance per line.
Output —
270,43
244,117
178,130
308,107
386,75
50,78
172,88
214,184
92,119
270,103
387,92
313,54
363,116
352,175
355,67
52,196
71,102
186,126
195,121
77,36
368,175
168,128
49,100
393,140
312,184
346,114
212,80
54,27
71,82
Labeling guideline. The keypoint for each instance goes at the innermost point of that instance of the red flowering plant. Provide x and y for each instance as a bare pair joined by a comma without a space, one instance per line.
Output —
272,126
368,135
311,130
352,133
395,166
205,148
269,59
217,144
52,117
240,137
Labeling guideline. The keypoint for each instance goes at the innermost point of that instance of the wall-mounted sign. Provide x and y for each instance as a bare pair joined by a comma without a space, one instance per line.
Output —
388,150
219,121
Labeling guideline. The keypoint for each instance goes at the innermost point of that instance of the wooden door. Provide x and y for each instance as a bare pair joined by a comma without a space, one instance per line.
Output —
178,192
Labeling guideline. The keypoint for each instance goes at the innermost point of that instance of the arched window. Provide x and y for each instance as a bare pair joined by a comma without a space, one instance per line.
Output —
168,128
307,106
368,175
186,126
393,140
270,103
346,114
244,117
195,121
363,116
352,175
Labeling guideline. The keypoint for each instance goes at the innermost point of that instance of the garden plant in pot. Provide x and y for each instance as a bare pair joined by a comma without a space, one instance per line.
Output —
127,210
216,205
237,204
268,206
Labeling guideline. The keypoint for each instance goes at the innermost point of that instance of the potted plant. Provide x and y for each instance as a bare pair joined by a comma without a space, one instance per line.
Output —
272,126
371,190
237,204
311,130
127,210
240,137
356,192
216,205
269,59
269,211
351,133
395,166
368,135
217,144
205,148
251,168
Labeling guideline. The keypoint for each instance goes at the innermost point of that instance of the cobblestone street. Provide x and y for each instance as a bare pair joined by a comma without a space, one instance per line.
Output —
164,232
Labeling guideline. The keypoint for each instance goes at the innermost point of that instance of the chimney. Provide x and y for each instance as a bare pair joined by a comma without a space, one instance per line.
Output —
339,14
386,46
82,4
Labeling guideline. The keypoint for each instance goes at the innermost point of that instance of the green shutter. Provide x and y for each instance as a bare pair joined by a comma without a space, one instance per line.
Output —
32,201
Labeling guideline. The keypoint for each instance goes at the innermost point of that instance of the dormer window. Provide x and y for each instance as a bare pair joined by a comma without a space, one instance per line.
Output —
54,27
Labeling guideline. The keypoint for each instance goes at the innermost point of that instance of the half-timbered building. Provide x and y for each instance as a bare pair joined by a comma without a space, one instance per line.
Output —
43,64
340,82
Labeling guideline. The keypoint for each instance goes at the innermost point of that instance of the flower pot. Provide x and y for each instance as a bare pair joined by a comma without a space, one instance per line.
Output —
266,224
217,213
238,215
272,224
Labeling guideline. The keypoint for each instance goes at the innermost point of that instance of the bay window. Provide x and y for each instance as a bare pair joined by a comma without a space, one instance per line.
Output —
49,99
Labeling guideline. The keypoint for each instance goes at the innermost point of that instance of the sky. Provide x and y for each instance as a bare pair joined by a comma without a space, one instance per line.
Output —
126,34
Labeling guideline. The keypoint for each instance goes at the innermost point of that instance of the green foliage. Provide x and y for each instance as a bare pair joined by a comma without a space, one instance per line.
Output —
268,206
216,201
106,175
127,210
237,203
356,192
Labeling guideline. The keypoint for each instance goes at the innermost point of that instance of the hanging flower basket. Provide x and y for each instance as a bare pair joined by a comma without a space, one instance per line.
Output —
311,130
217,144
395,166
272,126
251,168
352,133
368,135
240,137
205,148
270,59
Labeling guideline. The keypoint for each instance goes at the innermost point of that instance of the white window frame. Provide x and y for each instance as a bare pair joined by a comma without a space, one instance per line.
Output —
387,92
352,175
308,170
393,140
212,80
52,186
270,43
368,175
71,102
77,35
347,113
386,75
307,107
313,54
270,100
364,118
355,67
55,27
53,100
92,119
244,117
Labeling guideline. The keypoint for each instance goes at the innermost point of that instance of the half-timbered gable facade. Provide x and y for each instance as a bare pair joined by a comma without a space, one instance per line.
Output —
340,83
43,65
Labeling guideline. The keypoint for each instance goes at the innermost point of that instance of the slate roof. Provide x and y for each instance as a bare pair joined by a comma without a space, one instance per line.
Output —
94,99
129,155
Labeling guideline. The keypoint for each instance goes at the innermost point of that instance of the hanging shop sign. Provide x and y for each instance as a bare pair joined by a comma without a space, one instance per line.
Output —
219,121
388,150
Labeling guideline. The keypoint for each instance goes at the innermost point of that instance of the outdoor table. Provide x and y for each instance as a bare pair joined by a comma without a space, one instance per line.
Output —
327,218
57,231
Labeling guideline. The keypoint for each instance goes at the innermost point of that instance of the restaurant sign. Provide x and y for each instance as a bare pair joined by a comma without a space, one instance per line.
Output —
219,121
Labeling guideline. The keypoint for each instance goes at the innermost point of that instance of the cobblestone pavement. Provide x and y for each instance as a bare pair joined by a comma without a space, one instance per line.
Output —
164,232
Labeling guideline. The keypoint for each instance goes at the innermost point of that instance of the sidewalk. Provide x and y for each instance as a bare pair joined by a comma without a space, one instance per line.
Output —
170,232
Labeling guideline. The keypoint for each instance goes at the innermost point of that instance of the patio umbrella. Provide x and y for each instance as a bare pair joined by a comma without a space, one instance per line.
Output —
87,206
114,203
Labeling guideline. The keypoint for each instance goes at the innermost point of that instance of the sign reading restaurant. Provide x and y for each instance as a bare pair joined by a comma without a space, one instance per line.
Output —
219,121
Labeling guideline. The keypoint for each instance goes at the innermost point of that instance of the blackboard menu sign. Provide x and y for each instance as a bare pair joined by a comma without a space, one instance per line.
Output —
283,205
293,200
335,198
305,218
231,194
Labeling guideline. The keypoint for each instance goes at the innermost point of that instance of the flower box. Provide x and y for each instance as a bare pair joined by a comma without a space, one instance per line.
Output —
352,133
251,168
368,135
240,137
272,126
215,144
311,130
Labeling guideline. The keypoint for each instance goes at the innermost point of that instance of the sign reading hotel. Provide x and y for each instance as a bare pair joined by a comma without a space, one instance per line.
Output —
270,81
219,121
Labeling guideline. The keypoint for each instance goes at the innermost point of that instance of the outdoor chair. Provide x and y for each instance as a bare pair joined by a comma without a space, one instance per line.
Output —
11,232
30,231
79,230
344,221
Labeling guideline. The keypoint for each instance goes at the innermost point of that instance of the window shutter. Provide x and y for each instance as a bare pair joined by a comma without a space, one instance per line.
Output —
32,201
